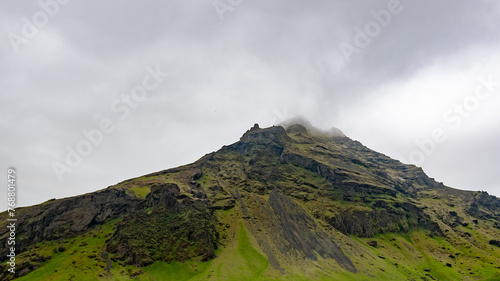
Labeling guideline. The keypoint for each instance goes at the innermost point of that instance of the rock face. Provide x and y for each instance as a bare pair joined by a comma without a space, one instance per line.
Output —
273,135
301,234
67,217
399,218
300,193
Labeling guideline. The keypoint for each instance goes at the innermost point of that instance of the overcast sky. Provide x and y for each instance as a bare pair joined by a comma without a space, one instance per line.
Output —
96,92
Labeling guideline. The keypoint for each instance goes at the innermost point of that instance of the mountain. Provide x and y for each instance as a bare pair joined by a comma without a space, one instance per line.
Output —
282,203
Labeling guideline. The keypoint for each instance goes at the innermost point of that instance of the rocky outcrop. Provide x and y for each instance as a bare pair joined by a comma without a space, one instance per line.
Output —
384,217
485,206
67,217
176,228
265,136
311,165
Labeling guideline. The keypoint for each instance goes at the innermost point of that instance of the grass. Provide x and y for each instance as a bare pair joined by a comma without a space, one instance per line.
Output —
173,271
239,262
416,251
494,278
254,261
140,191
241,259
74,263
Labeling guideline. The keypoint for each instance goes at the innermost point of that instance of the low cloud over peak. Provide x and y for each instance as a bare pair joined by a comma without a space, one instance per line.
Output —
65,64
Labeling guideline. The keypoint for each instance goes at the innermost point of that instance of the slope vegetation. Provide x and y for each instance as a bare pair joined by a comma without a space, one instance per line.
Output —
280,204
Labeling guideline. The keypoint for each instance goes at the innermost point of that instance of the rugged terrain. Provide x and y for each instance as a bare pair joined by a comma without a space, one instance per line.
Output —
280,204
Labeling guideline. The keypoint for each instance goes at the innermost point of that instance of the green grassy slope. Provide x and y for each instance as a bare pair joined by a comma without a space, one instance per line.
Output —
395,257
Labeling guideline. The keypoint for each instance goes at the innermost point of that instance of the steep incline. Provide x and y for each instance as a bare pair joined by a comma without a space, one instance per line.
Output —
280,203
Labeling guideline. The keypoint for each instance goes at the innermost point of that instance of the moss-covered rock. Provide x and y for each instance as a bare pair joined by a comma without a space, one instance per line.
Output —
173,229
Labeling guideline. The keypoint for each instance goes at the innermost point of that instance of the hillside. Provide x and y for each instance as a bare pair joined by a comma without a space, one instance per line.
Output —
279,204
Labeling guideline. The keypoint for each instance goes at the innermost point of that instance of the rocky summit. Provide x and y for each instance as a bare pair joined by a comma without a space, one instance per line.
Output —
282,203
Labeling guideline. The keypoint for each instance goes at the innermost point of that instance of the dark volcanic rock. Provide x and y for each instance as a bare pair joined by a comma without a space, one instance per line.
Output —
395,217
495,242
302,233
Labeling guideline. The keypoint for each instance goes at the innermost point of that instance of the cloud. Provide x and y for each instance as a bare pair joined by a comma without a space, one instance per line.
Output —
263,62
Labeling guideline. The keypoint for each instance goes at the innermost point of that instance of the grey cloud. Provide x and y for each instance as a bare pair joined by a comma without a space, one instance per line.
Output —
267,59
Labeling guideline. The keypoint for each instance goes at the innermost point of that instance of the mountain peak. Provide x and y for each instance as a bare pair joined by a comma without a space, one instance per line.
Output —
264,135
288,202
